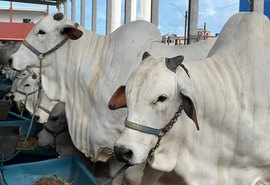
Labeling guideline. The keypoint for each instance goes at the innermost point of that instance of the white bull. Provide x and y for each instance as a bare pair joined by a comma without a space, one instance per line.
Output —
227,96
83,74
25,92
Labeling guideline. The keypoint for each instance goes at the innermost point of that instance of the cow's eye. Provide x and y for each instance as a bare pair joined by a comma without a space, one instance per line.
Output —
26,85
54,118
34,76
161,98
41,32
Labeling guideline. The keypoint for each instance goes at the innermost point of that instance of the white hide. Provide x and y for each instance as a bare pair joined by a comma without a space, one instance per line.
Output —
84,73
230,90
194,51
25,83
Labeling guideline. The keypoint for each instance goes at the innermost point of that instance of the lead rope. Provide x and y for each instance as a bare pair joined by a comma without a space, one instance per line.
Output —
122,170
2,178
166,129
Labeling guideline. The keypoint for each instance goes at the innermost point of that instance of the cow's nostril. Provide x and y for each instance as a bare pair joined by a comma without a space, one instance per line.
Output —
123,154
37,118
12,97
10,60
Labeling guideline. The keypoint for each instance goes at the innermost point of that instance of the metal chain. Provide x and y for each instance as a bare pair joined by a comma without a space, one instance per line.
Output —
166,129
56,47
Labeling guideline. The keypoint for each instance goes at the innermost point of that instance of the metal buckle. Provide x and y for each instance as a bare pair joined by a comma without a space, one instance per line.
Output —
40,56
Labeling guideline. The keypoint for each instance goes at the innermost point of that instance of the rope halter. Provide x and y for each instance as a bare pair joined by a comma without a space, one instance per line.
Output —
157,132
55,134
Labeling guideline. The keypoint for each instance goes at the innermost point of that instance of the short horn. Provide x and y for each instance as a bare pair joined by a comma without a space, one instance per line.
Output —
58,16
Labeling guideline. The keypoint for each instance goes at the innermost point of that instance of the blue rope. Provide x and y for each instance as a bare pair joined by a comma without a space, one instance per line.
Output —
2,177
22,146
123,169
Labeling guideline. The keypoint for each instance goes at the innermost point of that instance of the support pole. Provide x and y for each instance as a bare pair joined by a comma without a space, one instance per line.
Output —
258,6
59,7
47,11
145,10
204,31
130,10
73,10
193,10
185,34
83,13
251,5
94,15
65,8
154,12
116,14
10,12
108,17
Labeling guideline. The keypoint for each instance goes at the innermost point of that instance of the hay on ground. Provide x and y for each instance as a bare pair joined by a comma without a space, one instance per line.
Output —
29,145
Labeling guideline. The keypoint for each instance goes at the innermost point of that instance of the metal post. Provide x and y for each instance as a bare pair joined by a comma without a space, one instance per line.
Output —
116,14
127,16
251,5
108,16
130,10
94,15
193,9
185,34
258,6
204,31
154,12
10,12
59,7
73,10
83,13
65,8
145,10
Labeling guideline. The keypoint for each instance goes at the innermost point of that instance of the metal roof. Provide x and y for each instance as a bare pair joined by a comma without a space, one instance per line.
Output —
43,2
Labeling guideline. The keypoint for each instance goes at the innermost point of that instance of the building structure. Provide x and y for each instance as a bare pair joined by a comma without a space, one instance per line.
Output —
173,39
204,34
22,14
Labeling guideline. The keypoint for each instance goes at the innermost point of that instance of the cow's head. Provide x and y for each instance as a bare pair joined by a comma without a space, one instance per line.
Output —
57,123
153,94
47,33
25,92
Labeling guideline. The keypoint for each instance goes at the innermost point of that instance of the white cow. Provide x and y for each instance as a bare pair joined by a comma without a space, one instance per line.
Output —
227,96
25,92
84,72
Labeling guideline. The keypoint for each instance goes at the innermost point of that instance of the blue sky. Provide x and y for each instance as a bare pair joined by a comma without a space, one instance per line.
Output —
171,14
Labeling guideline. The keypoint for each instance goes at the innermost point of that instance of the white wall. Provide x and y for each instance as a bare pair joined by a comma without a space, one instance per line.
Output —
20,13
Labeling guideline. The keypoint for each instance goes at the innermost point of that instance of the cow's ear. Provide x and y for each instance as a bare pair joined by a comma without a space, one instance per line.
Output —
189,98
118,99
145,55
57,110
190,109
173,63
71,32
